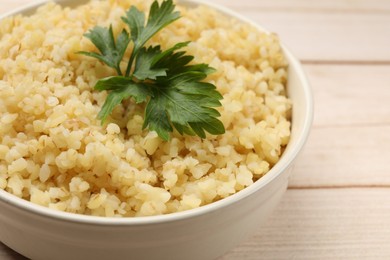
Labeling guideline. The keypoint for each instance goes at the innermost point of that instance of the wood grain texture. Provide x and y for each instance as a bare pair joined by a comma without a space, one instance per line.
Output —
344,156
323,224
347,146
350,95
325,30
361,6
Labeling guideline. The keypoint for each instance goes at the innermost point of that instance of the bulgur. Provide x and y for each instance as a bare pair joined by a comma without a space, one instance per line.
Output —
55,153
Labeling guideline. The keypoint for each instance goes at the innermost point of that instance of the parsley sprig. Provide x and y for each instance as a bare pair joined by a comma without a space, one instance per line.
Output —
174,90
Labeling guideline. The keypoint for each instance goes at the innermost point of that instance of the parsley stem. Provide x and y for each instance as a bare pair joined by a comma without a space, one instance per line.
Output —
118,70
130,64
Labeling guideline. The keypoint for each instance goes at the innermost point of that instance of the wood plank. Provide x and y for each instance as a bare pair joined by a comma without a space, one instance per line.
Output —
324,30
378,6
322,36
356,6
349,140
344,156
328,30
323,224
347,95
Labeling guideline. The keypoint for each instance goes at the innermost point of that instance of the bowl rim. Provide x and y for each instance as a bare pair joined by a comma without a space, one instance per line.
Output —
282,165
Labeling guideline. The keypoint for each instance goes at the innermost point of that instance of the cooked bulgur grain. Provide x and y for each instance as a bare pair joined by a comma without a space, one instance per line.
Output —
54,152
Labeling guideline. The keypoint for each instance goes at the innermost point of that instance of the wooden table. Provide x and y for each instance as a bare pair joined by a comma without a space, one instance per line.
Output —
338,202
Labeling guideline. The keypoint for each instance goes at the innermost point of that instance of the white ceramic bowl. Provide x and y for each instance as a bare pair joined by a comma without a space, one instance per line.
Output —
204,233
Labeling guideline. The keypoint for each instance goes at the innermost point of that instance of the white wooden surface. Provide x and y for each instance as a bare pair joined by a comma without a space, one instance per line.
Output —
338,202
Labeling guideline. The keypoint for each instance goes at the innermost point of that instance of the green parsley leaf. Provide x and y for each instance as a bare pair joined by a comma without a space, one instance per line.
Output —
121,88
144,68
182,98
149,64
173,89
185,111
111,52
159,17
